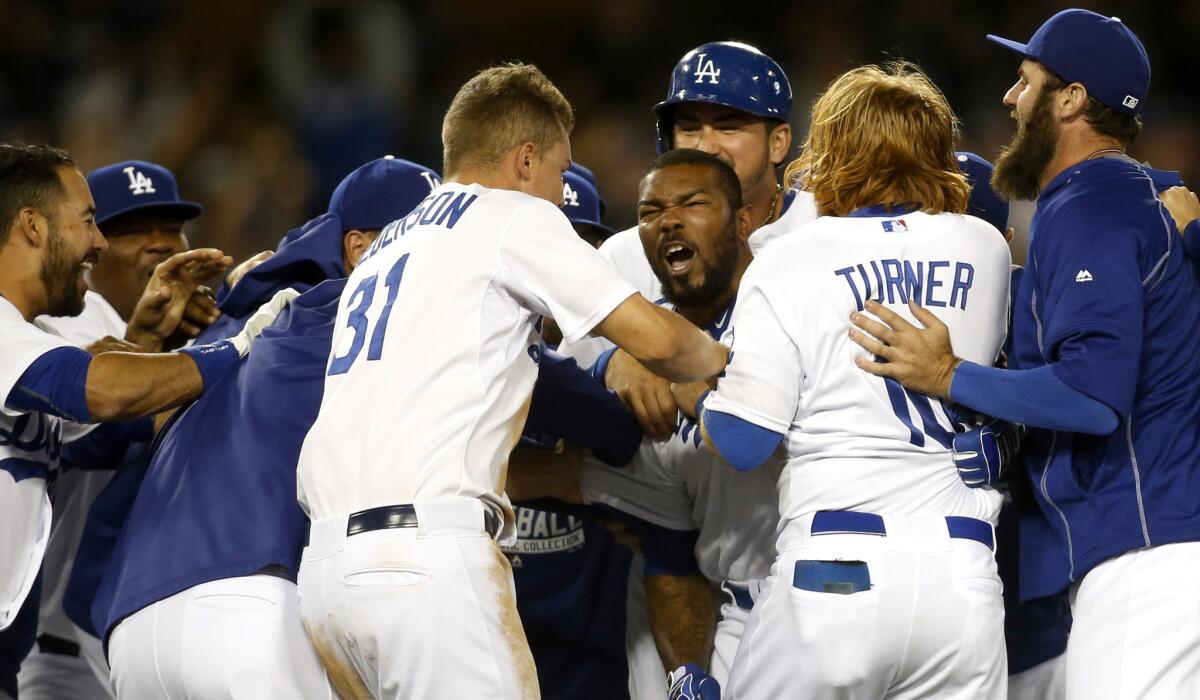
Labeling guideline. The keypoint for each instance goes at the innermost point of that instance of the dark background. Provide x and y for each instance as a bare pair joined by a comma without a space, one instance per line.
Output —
261,107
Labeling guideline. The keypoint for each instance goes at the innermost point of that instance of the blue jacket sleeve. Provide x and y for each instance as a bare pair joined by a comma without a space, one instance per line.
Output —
1034,397
569,403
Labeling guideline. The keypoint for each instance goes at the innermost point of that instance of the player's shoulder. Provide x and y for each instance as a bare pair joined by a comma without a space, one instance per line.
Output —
622,245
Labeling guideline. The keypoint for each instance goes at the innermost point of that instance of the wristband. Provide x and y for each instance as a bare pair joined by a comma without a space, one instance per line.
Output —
214,360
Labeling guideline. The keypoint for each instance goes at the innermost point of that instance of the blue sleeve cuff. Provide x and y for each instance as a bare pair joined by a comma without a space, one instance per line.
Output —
600,366
1191,239
56,384
1033,397
741,443
214,361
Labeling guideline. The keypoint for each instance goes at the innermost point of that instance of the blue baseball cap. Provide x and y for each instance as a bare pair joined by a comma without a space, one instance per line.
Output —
1100,52
376,194
581,202
137,186
984,202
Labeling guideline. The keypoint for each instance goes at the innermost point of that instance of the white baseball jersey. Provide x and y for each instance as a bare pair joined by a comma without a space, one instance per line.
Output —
626,253
50,675
855,441
435,349
30,446
680,485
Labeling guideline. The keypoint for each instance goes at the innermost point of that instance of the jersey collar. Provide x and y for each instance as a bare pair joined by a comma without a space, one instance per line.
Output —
881,210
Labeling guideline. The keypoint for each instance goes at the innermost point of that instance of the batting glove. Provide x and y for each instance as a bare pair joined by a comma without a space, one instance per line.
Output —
690,682
982,453
265,316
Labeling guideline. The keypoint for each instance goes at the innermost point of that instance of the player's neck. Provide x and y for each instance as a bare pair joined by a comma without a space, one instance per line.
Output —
22,287
1075,148
765,202
490,178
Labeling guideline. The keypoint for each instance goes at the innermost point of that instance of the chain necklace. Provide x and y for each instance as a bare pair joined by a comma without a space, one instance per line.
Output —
1104,150
774,204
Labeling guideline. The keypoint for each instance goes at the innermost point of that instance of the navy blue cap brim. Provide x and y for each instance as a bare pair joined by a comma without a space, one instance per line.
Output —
1011,45
184,211
585,222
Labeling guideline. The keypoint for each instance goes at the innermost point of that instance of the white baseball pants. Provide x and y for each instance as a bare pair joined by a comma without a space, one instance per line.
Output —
1136,631
731,625
1046,681
931,624
416,612
231,638
25,523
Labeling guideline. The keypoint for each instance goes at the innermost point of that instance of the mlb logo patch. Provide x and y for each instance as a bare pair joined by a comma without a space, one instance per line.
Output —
894,226
1130,101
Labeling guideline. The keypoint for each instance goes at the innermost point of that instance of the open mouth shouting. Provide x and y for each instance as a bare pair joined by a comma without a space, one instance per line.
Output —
677,258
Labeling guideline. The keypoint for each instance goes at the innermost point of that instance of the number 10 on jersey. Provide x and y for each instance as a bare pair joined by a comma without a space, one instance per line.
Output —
356,321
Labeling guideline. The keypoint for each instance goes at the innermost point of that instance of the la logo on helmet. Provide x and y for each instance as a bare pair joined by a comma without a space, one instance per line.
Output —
706,70
138,182
570,196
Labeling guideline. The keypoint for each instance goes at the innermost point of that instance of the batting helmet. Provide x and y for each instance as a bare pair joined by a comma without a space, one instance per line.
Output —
725,73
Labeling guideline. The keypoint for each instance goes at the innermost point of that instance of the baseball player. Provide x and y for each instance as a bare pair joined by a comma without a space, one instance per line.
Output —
883,551
49,240
371,196
140,213
701,524
402,583
1105,373
733,101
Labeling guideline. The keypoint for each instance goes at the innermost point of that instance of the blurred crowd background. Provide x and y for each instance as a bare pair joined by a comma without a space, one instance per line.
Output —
260,106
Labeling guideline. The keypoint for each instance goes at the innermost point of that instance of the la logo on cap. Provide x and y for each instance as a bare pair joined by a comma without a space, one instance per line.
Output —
570,196
138,182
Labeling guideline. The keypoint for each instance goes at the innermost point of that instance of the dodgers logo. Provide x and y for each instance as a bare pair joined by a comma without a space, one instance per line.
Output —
138,182
431,180
706,69
570,196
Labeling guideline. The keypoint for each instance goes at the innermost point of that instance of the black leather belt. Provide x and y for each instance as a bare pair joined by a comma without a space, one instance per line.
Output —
390,517
49,644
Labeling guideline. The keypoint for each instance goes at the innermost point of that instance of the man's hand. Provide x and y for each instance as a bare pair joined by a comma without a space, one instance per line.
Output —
236,274
920,359
111,344
647,395
545,474
690,682
200,313
982,453
686,396
1183,205
171,287
265,316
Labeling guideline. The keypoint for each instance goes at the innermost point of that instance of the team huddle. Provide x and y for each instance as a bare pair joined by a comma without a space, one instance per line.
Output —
804,431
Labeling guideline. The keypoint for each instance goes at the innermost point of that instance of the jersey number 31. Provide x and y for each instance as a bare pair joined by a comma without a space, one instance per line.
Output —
357,321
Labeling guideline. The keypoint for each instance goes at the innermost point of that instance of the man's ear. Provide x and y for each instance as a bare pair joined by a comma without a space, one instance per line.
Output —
779,143
524,156
354,244
31,224
1071,101
745,225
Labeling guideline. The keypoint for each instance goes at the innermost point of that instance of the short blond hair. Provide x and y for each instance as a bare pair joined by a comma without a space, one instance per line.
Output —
882,135
499,109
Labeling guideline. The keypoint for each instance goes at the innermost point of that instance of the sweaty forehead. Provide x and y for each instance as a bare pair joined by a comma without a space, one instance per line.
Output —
676,181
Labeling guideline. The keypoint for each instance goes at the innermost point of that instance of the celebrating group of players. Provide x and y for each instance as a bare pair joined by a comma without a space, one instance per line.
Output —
773,440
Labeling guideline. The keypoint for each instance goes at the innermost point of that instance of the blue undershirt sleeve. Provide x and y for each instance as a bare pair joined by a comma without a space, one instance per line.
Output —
1033,397
55,384
741,443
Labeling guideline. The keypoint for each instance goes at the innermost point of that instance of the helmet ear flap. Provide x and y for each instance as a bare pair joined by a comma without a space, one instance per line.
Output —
664,128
